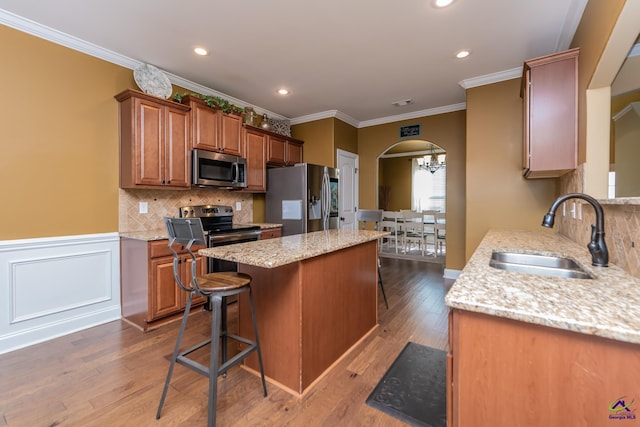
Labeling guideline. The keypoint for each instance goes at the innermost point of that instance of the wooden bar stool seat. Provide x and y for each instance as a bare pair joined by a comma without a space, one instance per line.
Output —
216,287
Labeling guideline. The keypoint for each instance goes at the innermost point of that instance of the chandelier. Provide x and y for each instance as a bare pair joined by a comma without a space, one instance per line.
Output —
432,162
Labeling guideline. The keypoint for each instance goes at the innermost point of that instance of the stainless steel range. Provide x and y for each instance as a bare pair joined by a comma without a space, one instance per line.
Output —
217,222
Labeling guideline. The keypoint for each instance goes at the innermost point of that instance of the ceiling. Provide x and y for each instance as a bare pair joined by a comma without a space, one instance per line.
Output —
346,59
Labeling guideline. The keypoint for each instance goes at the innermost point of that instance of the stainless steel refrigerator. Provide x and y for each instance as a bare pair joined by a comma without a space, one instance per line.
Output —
302,198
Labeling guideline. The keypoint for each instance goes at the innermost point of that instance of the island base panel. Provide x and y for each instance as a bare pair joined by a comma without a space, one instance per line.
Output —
311,312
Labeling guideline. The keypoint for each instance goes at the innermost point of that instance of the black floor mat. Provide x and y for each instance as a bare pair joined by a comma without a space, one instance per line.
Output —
414,387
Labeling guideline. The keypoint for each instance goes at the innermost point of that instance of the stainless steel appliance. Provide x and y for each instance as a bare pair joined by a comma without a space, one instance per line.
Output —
211,169
217,222
302,198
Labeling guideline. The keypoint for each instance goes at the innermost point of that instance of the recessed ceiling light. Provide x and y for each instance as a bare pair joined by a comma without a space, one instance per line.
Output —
442,3
200,51
463,54
283,91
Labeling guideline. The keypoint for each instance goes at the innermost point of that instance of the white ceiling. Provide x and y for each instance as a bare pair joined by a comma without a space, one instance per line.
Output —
345,58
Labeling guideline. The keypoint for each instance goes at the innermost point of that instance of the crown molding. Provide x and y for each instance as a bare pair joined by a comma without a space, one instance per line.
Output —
500,76
325,115
570,24
414,115
42,31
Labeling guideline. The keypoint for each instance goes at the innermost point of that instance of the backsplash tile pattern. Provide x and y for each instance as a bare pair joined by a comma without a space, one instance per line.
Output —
622,226
166,203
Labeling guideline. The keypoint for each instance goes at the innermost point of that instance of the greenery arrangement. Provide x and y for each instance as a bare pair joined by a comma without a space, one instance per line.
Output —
213,102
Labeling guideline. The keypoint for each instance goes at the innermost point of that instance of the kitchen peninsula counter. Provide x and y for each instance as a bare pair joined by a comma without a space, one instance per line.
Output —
607,306
567,348
316,298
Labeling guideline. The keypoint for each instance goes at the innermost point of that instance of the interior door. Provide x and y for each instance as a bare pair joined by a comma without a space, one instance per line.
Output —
348,189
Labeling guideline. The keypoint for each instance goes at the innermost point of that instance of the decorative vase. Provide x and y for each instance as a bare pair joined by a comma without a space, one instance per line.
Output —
265,123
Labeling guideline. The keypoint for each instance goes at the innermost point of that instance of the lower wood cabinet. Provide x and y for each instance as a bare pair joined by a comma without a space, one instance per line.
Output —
150,295
507,373
271,233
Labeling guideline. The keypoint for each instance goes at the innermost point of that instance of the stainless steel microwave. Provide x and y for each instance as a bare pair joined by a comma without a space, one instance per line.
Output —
211,169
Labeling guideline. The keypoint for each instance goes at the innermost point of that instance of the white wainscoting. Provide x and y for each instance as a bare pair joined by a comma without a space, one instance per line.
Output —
54,286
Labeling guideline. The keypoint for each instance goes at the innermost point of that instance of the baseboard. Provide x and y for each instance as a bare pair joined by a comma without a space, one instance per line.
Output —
54,286
451,274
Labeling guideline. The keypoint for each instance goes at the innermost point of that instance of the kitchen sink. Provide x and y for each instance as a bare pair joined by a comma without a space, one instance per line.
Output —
542,265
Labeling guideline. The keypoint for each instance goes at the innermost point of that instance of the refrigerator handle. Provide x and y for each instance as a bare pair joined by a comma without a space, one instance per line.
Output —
326,198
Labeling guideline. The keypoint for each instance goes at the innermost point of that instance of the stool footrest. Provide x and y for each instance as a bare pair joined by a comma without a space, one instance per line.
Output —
187,362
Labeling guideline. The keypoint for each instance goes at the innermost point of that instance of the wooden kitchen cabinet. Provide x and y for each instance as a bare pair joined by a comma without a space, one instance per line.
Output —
283,151
150,295
154,143
271,233
508,373
550,105
213,130
255,145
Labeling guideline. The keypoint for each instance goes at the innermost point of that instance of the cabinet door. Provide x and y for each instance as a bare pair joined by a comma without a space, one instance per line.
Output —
177,149
276,150
148,143
205,127
551,115
255,150
294,153
165,296
231,134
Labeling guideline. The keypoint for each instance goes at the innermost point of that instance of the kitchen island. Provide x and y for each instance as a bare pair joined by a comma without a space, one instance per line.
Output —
527,349
315,296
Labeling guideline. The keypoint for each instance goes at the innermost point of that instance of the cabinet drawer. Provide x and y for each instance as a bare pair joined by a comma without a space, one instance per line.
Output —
160,248
271,233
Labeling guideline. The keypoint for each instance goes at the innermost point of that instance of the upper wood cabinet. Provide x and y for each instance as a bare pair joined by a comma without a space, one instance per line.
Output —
255,146
550,95
214,130
154,142
281,150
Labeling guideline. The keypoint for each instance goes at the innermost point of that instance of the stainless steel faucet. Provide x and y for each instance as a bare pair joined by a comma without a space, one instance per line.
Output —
597,245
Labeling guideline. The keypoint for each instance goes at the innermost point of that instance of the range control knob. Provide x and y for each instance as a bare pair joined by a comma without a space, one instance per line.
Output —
185,212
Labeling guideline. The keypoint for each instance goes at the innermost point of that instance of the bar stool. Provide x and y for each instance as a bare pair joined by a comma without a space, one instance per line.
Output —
215,286
375,216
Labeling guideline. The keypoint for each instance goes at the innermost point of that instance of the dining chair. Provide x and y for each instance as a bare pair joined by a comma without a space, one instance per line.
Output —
430,239
375,216
441,231
413,225
392,222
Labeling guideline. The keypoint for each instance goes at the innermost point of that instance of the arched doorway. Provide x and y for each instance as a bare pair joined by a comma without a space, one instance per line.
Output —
411,175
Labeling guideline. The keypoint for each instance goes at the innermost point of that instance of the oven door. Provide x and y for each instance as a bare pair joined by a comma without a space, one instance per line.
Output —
216,240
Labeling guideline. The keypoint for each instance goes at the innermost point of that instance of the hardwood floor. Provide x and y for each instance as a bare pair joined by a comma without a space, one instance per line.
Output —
112,375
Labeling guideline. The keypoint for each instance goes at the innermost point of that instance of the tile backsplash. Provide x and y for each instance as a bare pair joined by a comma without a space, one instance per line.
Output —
622,225
167,202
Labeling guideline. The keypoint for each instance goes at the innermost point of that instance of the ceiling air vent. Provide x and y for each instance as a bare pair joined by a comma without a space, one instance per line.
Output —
402,103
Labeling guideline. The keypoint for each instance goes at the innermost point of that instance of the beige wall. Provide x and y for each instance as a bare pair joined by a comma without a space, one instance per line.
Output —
346,137
59,162
318,137
395,173
497,194
445,130
591,37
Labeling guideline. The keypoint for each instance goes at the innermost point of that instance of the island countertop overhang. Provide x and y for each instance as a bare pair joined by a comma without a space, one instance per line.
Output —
272,253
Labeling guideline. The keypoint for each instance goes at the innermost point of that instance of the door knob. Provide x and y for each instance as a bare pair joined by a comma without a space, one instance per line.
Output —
341,218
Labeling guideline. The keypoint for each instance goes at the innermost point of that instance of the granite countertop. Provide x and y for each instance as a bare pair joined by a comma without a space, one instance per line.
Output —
606,306
280,251
146,235
152,235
